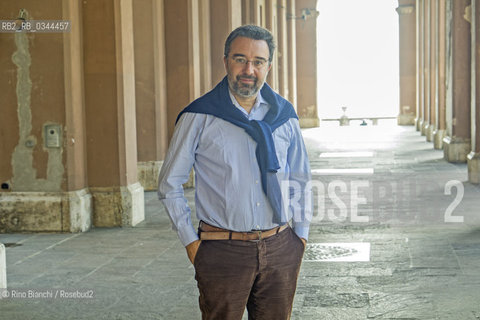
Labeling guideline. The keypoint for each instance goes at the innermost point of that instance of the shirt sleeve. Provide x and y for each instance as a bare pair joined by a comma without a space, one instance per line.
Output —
175,172
299,177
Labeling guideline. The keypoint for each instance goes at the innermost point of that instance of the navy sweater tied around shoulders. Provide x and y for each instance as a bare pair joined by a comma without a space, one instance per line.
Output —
217,102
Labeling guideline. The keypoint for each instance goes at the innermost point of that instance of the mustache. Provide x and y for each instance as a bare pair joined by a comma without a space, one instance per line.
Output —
246,77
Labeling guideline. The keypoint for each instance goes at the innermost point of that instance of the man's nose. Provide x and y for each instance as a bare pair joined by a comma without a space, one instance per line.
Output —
249,69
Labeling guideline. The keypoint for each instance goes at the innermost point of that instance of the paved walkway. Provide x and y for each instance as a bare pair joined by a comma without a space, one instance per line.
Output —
413,259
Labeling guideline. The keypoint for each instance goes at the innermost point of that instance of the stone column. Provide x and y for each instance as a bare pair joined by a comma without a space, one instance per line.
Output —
43,175
292,53
474,155
205,47
407,27
420,78
225,17
3,267
457,143
183,54
433,71
110,113
159,57
254,12
150,96
260,17
306,36
78,199
247,12
282,50
426,67
441,79
272,25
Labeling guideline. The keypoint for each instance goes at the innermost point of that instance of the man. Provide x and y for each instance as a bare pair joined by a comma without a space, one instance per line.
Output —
251,170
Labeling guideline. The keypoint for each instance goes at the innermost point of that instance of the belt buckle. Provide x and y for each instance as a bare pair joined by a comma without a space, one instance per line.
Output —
258,233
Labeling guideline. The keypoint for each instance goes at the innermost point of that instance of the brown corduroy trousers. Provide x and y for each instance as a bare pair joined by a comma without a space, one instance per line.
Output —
259,275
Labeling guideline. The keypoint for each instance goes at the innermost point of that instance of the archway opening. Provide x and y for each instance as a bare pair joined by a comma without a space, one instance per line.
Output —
358,59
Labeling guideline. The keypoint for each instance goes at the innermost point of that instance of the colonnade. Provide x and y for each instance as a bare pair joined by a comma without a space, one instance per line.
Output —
87,114
442,37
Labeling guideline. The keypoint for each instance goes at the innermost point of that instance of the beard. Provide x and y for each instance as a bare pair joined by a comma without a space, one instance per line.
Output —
243,89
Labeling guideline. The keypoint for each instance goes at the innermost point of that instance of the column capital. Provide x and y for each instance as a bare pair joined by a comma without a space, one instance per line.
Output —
405,9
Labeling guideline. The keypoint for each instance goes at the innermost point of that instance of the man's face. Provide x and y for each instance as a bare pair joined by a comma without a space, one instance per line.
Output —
247,66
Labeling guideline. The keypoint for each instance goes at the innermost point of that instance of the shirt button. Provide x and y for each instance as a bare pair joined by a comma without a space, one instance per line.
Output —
256,181
258,204
258,227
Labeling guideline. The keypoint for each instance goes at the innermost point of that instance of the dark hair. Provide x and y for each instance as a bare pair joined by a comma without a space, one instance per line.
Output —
252,32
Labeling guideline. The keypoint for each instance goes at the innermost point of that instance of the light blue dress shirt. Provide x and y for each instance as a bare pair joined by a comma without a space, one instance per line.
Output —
228,187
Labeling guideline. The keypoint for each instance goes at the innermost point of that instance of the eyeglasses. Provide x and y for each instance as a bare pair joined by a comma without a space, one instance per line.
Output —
256,63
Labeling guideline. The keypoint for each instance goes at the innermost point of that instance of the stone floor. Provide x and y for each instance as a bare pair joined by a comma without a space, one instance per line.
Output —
417,213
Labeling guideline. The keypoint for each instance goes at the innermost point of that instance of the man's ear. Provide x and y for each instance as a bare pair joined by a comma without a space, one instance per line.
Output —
225,62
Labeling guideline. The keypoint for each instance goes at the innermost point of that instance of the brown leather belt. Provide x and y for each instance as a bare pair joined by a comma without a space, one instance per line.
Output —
208,232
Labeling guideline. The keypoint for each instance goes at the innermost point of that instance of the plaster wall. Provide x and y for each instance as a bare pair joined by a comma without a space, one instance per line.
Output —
32,97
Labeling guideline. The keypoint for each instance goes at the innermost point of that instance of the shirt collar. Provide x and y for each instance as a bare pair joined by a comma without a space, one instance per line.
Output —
258,102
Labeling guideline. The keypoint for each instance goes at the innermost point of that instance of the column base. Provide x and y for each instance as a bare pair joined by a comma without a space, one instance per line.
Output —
118,206
45,211
473,160
438,136
406,120
424,128
455,149
429,133
309,122
418,124
148,174
3,268
191,180
80,207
